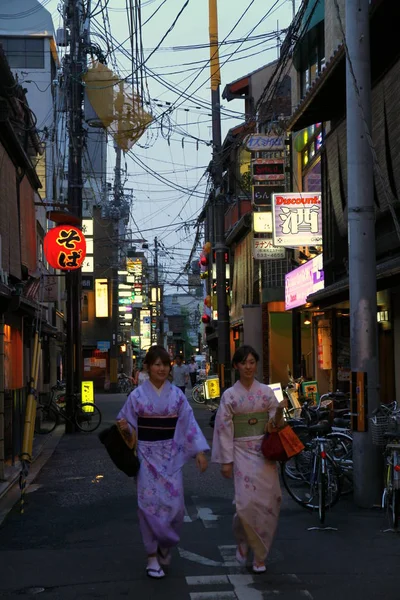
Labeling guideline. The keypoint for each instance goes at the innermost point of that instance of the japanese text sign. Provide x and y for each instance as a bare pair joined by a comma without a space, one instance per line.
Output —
265,249
262,194
65,247
303,281
262,222
265,143
297,219
265,169
87,394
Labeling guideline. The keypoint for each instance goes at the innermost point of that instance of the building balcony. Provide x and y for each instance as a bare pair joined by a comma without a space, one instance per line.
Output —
236,211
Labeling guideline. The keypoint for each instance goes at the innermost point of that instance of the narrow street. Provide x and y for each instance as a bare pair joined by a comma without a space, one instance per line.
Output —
79,539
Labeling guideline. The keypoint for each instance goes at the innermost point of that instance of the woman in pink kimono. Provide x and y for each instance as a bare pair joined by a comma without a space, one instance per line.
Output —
159,415
246,411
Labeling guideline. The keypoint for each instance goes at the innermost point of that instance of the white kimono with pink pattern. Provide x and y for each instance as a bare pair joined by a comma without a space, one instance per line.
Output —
257,487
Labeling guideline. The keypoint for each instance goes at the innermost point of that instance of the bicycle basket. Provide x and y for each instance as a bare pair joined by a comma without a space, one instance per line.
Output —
380,424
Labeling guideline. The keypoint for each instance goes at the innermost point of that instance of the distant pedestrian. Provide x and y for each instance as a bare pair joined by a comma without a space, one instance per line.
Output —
142,375
160,417
246,411
180,375
192,371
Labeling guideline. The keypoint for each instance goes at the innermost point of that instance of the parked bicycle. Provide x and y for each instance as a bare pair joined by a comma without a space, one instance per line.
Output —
339,435
386,433
312,478
125,384
198,394
86,416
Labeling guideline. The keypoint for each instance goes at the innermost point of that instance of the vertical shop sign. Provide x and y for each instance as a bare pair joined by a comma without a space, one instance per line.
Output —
324,345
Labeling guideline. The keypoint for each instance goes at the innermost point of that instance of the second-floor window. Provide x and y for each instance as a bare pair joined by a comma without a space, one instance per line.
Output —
311,57
24,52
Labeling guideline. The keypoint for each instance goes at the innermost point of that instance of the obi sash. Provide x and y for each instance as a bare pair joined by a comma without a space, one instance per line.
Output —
155,429
250,424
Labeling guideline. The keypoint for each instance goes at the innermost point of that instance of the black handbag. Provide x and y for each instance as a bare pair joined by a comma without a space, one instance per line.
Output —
124,457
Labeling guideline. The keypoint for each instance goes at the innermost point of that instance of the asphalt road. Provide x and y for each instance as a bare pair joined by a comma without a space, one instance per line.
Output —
79,539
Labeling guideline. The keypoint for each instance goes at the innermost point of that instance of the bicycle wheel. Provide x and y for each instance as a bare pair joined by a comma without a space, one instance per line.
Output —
395,506
87,417
198,395
322,484
392,492
300,478
46,419
341,450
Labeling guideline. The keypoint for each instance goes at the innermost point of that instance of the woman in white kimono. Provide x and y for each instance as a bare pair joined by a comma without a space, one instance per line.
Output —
158,414
246,411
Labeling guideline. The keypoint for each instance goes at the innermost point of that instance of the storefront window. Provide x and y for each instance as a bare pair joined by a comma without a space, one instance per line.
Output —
312,178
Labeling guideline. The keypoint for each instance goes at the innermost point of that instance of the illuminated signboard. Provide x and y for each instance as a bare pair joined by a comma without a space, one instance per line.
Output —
101,295
262,222
145,329
65,247
265,143
303,281
297,219
267,169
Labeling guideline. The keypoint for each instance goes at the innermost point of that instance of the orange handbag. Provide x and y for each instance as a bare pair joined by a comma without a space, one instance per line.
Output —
290,441
281,444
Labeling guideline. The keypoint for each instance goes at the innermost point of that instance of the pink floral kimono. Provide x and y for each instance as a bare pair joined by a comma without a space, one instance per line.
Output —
239,428
168,436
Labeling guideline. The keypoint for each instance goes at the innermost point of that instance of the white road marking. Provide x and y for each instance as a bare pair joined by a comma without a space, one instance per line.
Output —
187,518
205,514
307,594
207,580
228,554
246,593
33,488
213,596
241,580
208,517
197,558
243,585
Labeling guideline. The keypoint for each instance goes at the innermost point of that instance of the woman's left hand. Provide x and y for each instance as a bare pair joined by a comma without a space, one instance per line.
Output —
201,462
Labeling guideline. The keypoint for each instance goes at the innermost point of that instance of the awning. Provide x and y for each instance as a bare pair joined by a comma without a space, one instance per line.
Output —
387,275
314,14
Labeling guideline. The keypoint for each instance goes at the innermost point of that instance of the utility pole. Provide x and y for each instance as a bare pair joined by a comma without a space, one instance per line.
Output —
114,351
362,253
156,285
73,278
221,250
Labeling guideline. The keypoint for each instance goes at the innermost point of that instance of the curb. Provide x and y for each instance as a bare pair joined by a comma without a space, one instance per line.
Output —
11,494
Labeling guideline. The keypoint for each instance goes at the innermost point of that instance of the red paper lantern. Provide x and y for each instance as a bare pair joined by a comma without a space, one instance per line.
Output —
203,260
207,301
206,318
65,247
